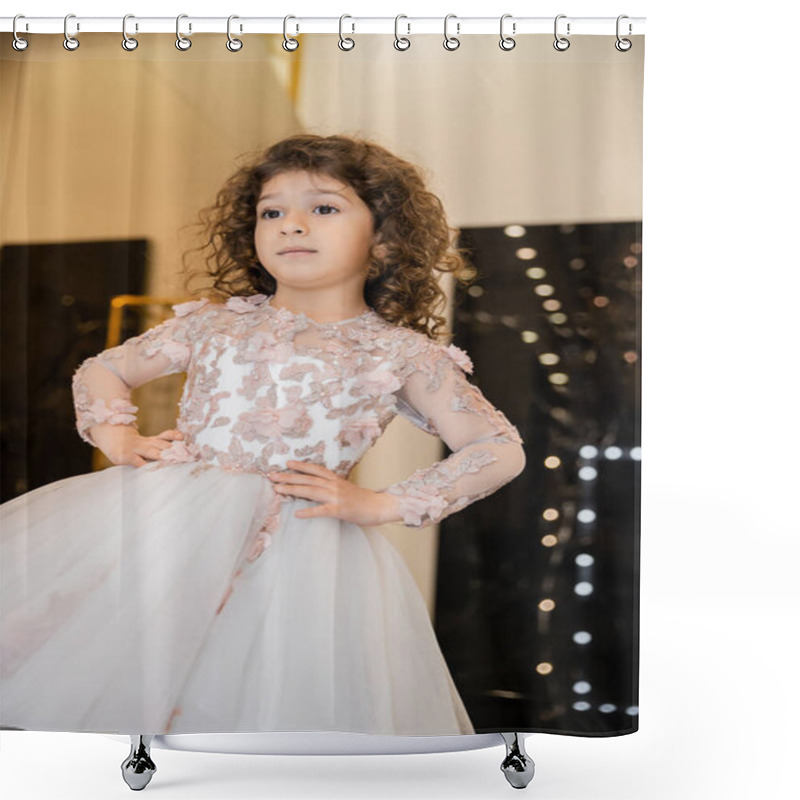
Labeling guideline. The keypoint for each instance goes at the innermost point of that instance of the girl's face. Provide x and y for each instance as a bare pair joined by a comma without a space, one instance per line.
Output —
321,215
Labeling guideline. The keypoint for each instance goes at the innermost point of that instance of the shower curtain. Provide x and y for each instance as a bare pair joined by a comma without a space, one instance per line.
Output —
517,612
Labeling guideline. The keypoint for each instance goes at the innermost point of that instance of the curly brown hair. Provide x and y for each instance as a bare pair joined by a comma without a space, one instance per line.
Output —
402,286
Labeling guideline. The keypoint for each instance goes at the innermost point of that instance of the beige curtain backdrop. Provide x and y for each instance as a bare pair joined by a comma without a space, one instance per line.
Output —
101,143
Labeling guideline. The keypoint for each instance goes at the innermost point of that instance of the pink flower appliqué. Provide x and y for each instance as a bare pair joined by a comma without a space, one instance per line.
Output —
357,432
176,453
416,345
117,412
379,382
244,305
422,504
460,357
264,346
176,352
182,309
270,422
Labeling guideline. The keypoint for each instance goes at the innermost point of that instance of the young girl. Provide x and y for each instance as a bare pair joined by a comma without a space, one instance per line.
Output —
223,576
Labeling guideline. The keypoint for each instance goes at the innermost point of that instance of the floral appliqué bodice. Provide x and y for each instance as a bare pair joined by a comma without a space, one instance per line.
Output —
266,385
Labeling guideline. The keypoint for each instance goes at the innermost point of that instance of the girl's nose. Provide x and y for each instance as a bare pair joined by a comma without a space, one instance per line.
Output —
293,223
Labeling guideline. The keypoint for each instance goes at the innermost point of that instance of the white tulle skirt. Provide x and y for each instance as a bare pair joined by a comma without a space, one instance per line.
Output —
129,605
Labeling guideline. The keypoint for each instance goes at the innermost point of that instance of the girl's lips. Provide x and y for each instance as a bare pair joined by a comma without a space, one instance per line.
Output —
296,252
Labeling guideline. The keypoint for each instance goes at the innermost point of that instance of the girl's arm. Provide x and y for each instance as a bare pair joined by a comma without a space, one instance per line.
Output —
487,449
102,384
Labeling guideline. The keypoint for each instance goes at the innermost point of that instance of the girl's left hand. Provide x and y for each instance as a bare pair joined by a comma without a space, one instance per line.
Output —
340,497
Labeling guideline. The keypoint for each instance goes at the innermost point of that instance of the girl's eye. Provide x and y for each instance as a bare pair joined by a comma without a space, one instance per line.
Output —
267,212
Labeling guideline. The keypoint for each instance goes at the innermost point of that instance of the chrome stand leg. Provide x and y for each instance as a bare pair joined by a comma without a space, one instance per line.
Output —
138,768
517,766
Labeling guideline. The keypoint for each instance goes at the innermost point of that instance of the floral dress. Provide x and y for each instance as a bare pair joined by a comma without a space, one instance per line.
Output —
185,596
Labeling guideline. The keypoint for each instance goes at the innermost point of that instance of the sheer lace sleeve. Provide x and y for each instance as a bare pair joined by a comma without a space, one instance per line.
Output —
487,449
101,386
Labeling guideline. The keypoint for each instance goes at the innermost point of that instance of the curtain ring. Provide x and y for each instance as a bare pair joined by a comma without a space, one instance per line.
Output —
128,42
70,42
182,43
623,45
507,42
234,45
288,43
400,42
451,42
18,43
346,43
561,44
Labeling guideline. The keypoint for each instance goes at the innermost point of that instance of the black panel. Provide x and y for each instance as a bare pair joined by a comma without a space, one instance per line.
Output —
54,303
494,569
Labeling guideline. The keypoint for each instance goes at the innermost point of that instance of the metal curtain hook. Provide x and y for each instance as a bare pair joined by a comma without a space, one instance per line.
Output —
401,43
623,45
451,42
182,43
128,42
560,42
18,43
70,42
234,45
288,43
346,43
506,42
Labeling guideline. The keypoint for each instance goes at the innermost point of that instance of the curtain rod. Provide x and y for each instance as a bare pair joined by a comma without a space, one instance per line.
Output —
407,26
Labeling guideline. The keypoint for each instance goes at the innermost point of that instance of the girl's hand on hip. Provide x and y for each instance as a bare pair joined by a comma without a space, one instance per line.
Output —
338,496
124,445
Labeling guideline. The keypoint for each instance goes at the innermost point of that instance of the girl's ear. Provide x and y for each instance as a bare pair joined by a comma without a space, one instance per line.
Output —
380,248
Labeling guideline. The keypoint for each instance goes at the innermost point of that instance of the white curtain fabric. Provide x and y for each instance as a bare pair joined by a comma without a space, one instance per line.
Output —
530,135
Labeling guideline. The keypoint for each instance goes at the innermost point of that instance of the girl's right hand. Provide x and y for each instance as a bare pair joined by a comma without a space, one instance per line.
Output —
129,447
